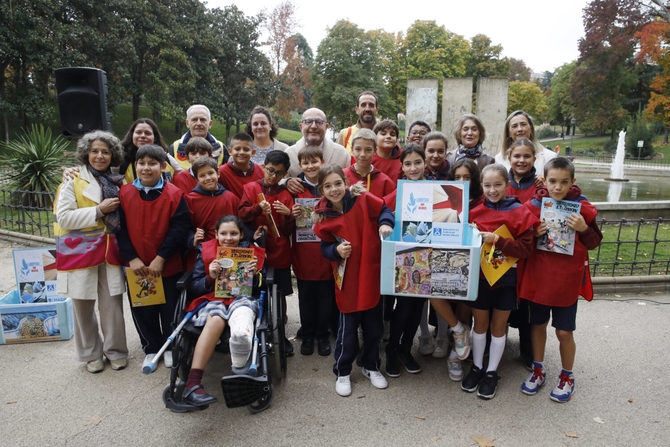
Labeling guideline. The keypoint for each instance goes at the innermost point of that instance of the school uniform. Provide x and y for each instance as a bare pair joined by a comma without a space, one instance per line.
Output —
316,288
234,178
154,221
544,269
524,189
520,222
206,208
185,181
375,182
390,166
278,248
358,294
442,172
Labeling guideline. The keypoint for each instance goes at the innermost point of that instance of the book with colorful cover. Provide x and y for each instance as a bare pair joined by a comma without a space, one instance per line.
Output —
339,271
494,262
304,227
145,290
560,238
237,274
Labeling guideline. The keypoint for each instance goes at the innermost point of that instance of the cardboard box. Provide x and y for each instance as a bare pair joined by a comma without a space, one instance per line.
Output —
29,322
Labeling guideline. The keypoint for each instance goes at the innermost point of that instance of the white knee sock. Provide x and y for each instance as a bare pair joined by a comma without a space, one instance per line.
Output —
241,335
496,352
478,348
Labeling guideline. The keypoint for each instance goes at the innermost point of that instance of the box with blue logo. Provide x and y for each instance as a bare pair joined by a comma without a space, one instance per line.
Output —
433,251
34,312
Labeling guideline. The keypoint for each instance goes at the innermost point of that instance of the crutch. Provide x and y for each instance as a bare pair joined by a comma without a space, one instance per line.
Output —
253,368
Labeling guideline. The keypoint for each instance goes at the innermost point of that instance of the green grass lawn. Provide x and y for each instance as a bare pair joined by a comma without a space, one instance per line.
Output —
607,252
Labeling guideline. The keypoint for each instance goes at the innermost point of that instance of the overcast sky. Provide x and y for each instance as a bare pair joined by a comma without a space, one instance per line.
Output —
542,33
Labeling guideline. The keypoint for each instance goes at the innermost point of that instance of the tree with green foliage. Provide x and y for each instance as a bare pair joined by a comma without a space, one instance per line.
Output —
485,60
527,96
518,71
560,102
346,63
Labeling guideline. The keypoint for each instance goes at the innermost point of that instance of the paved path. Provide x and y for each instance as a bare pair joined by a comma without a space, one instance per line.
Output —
47,398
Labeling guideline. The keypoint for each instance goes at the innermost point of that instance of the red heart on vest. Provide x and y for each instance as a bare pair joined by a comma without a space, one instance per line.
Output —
73,242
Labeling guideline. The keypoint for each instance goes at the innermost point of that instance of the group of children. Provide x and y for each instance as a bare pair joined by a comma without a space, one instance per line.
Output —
210,205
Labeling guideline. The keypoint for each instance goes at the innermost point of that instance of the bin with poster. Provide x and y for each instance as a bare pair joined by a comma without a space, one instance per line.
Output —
33,311
433,252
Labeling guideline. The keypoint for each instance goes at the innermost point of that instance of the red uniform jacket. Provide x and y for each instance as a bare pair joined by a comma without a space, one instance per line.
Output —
148,223
525,189
389,166
390,199
307,260
376,182
555,279
234,179
359,225
278,249
207,255
185,181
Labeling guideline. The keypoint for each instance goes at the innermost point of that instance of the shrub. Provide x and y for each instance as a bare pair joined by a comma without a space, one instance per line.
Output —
639,130
545,131
610,146
34,160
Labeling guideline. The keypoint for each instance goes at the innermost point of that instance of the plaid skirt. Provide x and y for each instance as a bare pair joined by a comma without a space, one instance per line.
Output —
220,309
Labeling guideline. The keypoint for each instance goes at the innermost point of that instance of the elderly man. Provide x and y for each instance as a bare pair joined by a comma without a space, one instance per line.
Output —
198,121
313,127
366,109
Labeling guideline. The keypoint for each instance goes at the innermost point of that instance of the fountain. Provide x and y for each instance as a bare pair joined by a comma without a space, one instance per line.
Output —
616,172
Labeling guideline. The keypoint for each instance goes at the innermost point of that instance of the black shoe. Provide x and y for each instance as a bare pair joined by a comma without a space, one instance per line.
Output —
488,385
409,363
198,400
392,364
288,347
323,347
471,381
307,346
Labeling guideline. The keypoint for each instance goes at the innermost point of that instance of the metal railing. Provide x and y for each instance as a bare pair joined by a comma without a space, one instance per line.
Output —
663,163
632,247
27,212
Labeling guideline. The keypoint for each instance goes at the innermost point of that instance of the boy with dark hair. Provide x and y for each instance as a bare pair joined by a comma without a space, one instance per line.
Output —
363,149
545,270
208,201
195,148
272,209
154,223
316,288
417,131
387,153
240,170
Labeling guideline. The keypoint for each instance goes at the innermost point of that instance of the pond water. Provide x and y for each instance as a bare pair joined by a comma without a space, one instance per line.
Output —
639,188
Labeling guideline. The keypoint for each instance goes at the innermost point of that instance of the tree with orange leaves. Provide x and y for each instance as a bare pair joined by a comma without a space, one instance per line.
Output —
654,49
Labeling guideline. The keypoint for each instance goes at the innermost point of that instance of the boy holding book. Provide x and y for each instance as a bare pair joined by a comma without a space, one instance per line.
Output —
545,269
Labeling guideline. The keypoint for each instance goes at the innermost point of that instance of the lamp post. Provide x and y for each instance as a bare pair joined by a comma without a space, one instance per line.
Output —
572,134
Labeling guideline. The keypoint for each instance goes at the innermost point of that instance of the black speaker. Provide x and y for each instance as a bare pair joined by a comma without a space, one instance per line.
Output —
82,100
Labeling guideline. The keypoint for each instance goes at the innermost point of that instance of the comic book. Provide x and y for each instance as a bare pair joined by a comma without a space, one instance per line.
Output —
559,237
144,290
338,273
304,227
236,278
494,263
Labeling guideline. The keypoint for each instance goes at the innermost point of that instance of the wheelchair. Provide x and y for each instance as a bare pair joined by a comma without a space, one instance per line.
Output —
255,385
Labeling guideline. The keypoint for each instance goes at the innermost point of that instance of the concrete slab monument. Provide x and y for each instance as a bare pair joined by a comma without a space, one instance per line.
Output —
456,101
492,110
421,102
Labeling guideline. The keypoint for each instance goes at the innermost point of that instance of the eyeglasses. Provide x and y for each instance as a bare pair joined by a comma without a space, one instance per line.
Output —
274,173
310,121
418,132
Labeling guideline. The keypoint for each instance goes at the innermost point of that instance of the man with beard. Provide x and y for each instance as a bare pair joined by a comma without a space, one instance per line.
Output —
198,122
367,118
313,127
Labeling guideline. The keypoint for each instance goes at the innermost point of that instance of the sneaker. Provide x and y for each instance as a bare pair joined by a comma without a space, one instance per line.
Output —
323,347
488,385
376,378
119,363
441,348
455,369
407,360
471,381
343,386
564,389
426,345
392,364
167,359
148,359
95,366
534,381
307,346
462,343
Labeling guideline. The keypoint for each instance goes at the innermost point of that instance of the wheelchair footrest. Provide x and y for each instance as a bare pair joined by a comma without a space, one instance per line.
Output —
242,390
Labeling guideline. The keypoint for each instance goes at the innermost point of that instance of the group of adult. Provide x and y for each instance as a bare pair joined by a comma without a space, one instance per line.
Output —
87,202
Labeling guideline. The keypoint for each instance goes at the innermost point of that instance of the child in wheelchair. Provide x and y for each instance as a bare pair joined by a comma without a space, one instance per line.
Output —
236,309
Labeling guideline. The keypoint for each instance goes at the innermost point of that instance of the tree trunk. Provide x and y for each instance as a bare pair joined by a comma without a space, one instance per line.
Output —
136,106
177,125
5,121
228,124
665,139
237,125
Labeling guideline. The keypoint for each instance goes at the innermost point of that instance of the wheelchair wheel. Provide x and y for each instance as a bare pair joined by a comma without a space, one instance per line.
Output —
276,322
263,403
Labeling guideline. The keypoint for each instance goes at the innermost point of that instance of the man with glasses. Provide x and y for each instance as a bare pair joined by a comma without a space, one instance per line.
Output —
313,127
417,130
366,109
